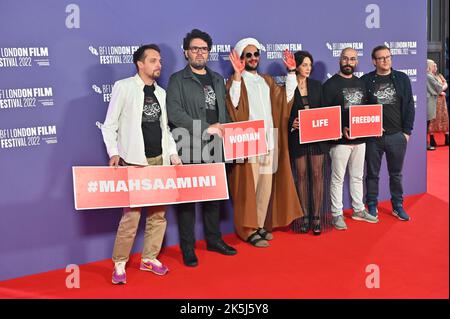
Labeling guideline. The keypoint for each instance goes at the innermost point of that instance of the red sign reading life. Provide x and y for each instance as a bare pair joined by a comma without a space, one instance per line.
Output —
133,186
320,124
244,139
366,120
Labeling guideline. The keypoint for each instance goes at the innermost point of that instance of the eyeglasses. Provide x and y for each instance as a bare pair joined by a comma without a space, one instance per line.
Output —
248,55
346,59
383,58
199,49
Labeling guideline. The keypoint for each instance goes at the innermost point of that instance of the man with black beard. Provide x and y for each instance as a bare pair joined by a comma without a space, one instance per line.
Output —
196,102
345,89
259,180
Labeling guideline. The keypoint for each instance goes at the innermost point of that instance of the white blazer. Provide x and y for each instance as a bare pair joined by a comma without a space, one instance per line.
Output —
122,132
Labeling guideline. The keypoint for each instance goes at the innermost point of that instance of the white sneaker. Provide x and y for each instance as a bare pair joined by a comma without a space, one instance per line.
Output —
119,276
153,261
120,267
339,223
364,216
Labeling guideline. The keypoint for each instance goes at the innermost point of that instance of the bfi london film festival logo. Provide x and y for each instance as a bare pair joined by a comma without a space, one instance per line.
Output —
337,47
20,137
219,51
26,97
116,54
275,51
402,47
23,57
105,90
411,73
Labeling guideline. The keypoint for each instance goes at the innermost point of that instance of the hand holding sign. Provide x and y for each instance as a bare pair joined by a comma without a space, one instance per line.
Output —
114,160
347,133
175,159
216,128
295,124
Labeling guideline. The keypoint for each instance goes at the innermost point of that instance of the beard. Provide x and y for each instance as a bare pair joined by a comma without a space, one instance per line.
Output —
156,74
347,69
248,67
197,64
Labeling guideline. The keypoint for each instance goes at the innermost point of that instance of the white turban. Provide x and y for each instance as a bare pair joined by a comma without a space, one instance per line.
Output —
242,44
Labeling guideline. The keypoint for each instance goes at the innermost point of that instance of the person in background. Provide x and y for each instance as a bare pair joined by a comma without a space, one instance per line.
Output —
437,114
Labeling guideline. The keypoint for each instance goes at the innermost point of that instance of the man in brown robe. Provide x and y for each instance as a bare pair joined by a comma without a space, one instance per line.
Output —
262,189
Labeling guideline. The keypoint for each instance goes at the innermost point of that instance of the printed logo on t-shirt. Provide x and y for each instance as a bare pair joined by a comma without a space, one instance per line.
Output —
152,110
210,97
352,96
385,93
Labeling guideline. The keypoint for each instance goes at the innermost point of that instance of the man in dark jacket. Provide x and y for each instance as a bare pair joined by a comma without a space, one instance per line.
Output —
196,106
392,89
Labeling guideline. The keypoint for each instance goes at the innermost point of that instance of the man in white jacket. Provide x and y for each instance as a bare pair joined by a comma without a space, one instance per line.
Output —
136,132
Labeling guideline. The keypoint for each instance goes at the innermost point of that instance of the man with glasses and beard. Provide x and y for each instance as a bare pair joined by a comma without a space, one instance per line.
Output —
196,103
392,89
345,89
258,180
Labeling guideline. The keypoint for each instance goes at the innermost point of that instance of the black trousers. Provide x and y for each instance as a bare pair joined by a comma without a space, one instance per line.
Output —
394,146
186,223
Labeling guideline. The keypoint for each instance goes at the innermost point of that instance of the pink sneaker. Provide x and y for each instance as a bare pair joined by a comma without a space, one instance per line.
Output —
153,267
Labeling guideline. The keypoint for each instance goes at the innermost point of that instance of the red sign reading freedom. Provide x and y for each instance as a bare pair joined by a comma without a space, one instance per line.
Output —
366,120
244,139
320,124
133,186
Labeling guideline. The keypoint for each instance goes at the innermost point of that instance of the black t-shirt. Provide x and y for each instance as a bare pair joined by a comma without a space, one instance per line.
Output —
151,128
345,92
210,98
386,94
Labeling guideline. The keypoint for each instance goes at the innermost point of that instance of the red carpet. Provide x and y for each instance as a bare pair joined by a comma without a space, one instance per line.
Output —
437,167
413,258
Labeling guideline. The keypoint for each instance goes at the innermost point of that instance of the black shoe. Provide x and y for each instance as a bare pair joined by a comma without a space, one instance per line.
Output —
221,248
304,225
431,148
189,258
317,228
432,141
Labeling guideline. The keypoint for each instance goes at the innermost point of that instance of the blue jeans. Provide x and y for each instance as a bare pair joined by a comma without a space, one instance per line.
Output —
394,145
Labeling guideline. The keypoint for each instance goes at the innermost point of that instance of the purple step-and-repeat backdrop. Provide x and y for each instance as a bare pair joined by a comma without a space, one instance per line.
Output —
59,60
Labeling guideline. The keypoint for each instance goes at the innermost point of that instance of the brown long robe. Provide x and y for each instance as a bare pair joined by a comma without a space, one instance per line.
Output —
284,205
